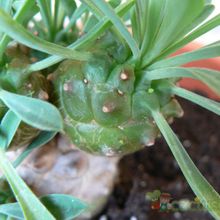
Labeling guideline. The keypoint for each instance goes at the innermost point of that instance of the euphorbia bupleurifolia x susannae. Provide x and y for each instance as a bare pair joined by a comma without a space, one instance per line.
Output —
107,68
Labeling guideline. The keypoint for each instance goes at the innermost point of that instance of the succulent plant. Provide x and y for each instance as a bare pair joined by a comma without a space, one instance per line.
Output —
116,89
15,80
114,106
104,110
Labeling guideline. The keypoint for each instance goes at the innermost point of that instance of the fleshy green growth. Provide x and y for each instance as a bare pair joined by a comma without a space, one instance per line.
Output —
14,79
104,111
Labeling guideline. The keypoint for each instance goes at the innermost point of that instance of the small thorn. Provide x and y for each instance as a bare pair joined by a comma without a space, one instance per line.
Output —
67,86
105,109
29,85
120,92
85,81
150,143
108,108
124,76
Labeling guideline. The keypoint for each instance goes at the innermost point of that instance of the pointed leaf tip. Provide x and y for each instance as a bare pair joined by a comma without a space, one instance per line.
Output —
35,112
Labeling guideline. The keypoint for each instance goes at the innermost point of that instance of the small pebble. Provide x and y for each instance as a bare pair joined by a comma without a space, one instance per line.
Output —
187,143
177,215
103,217
143,184
133,218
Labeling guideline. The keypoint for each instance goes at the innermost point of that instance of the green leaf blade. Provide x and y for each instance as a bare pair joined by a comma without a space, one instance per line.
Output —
32,208
206,52
8,128
35,112
62,206
46,13
19,33
203,190
201,30
12,210
206,103
20,16
98,29
43,138
110,13
209,77
170,32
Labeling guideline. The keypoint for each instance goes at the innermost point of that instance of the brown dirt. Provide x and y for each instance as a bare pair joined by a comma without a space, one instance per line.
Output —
155,168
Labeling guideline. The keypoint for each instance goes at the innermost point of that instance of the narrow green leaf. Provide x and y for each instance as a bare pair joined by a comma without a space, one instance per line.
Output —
8,128
204,28
59,15
135,27
75,16
97,30
93,8
35,112
169,32
200,186
206,52
23,13
12,210
206,103
46,13
6,5
20,16
208,9
69,6
17,4
207,76
140,12
154,19
19,33
32,208
4,217
122,29
43,138
210,77
91,20
63,207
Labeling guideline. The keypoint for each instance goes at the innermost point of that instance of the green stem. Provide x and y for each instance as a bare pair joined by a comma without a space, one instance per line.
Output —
32,208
